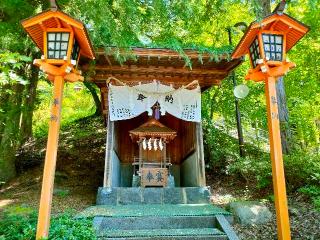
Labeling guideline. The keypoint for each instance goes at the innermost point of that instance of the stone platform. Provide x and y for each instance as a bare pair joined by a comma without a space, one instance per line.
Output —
137,195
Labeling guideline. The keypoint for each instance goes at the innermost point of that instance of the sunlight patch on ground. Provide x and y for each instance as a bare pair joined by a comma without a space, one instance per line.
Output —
222,199
5,202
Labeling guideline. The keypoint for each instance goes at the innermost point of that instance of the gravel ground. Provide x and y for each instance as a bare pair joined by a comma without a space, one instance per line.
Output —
304,219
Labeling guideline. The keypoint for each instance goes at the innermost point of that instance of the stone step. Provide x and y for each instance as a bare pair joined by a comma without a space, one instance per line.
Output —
137,195
157,234
152,210
170,220
153,222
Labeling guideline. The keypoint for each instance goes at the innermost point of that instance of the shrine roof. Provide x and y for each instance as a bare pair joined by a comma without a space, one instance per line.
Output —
153,128
163,64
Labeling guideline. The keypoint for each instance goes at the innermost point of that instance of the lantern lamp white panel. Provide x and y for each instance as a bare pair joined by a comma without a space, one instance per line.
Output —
57,45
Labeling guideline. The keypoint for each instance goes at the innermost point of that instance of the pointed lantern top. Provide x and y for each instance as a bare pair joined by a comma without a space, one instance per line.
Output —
276,22
37,25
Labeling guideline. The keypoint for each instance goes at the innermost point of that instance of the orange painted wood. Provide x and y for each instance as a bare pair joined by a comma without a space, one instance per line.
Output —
57,29
73,77
261,45
278,177
50,161
70,46
45,45
273,71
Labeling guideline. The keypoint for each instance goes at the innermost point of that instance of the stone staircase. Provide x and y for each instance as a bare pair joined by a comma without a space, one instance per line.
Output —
158,213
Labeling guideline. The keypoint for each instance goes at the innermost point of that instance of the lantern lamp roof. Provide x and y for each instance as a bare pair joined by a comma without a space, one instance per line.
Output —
36,25
281,23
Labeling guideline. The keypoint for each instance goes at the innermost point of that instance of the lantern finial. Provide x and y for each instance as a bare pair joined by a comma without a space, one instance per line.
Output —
280,7
53,5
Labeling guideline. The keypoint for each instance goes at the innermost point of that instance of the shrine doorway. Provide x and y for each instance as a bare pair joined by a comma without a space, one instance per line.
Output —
184,151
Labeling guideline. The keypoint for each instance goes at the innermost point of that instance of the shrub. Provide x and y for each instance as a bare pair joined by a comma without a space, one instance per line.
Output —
20,223
257,170
300,169
313,192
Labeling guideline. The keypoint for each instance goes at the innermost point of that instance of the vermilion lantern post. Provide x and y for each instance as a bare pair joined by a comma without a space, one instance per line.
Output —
267,43
62,41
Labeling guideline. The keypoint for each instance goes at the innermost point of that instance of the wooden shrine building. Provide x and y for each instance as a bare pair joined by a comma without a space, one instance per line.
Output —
185,151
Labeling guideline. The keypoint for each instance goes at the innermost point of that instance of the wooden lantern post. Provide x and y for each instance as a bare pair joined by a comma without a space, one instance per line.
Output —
62,40
267,43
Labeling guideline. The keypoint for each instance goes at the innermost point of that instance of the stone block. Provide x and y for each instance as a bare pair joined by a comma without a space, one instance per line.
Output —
173,196
152,195
198,195
250,212
131,195
107,196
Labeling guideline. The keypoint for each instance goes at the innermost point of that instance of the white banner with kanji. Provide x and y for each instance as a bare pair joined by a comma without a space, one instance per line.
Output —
126,102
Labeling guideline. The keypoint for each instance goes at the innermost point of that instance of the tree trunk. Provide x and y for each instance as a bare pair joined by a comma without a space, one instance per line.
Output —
95,97
29,103
283,116
263,10
11,137
4,96
213,101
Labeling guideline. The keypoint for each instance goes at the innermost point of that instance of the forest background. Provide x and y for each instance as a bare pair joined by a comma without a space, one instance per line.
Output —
25,93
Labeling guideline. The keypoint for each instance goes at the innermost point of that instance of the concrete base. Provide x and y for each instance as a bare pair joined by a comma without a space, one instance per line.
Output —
137,195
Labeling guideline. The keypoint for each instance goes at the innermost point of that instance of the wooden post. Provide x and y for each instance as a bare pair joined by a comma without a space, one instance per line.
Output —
279,186
50,161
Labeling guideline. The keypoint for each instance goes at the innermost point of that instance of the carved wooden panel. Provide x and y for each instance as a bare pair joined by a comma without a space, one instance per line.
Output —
154,177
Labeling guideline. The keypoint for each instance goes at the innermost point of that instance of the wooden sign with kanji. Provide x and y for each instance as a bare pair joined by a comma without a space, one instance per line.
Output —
154,177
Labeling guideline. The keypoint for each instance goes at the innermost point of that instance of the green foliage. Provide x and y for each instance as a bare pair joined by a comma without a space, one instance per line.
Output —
312,191
76,104
10,64
20,223
303,101
176,25
257,170
300,169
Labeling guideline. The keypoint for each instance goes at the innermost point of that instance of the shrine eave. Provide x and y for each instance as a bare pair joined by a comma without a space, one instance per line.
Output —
166,65
153,128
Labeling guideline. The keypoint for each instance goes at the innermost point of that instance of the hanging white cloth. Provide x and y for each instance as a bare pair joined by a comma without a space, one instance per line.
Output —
127,102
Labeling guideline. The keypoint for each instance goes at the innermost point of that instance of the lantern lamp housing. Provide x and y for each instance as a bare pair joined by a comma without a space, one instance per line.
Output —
255,52
57,45
267,42
270,49
273,47
61,38
75,50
